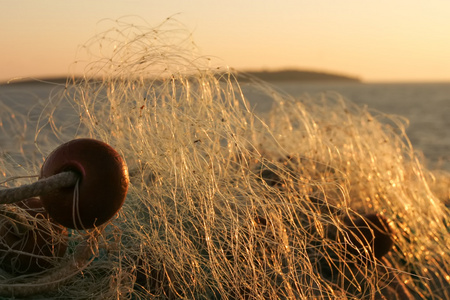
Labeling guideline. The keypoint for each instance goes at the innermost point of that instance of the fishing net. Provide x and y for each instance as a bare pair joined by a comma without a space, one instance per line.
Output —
225,201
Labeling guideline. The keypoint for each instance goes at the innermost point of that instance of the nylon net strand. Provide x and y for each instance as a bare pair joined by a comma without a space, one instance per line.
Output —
226,202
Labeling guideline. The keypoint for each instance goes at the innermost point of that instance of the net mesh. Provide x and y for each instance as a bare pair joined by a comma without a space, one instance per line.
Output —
225,202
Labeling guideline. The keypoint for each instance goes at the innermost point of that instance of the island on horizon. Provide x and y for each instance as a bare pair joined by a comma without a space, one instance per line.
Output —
296,75
286,75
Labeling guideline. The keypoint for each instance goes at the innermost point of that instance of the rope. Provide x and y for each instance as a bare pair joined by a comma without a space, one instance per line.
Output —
51,280
38,188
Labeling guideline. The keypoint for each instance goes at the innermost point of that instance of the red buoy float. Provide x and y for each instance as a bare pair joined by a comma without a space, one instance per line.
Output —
32,243
101,189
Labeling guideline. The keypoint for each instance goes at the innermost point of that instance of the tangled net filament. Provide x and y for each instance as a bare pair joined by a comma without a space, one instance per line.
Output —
226,203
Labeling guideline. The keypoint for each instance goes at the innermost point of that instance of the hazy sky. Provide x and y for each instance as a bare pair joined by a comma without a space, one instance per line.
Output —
383,40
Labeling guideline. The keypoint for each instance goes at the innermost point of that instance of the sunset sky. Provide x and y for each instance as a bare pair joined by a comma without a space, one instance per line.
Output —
384,40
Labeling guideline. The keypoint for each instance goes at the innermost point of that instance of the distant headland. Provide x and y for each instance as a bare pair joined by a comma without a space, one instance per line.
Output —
287,75
295,76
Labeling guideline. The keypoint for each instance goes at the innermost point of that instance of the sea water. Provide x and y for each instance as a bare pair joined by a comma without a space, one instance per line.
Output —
426,106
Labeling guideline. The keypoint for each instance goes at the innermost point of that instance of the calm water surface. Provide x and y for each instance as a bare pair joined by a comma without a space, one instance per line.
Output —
426,105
